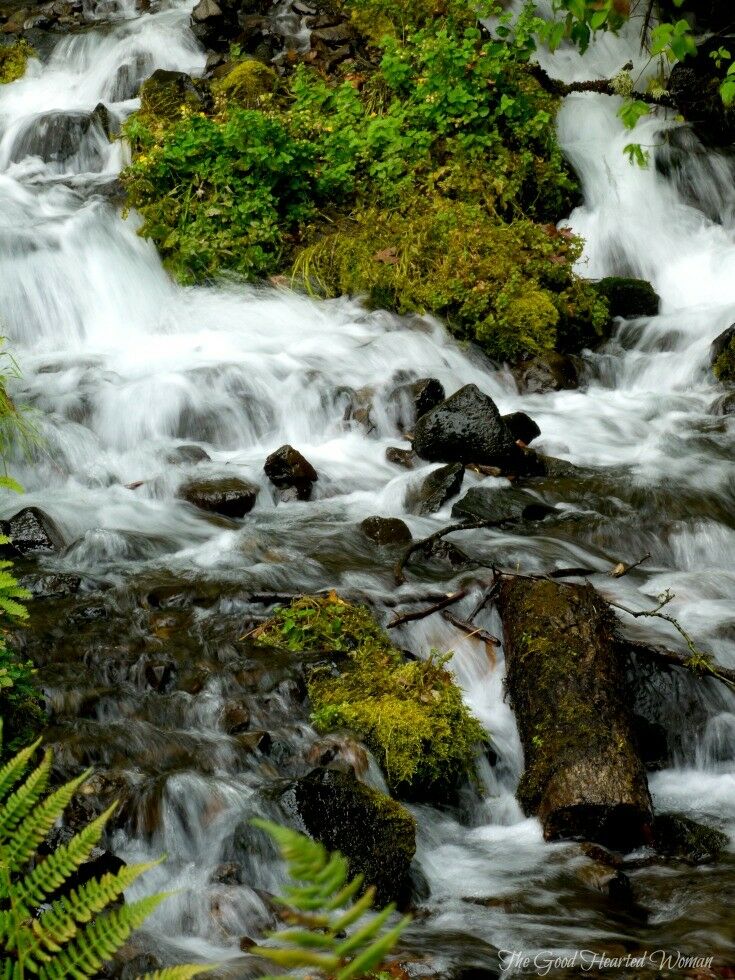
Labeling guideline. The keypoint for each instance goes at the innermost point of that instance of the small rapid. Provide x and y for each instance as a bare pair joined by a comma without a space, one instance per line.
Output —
122,368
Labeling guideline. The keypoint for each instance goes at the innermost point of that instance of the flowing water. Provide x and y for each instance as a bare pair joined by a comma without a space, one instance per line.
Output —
123,367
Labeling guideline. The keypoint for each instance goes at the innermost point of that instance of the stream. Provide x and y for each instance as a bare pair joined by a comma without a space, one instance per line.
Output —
144,639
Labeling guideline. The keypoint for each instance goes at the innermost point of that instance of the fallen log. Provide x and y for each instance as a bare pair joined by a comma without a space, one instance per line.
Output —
584,777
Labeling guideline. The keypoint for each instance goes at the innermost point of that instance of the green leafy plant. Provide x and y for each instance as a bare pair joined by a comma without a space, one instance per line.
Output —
328,928
47,931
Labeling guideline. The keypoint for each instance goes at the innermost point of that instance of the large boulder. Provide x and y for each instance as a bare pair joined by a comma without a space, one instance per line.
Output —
230,498
629,298
438,487
465,428
375,832
31,532
288,470
722,355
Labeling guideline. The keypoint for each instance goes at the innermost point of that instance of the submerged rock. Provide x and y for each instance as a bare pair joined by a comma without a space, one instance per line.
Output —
684,839
465,428
287,469
629,298
522,427
375,832
438,487
31,532
386,530
486,504
546,372
188,453
230,498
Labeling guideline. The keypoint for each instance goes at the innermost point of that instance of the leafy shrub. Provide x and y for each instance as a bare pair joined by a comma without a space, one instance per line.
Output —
409,713
319,910
45,930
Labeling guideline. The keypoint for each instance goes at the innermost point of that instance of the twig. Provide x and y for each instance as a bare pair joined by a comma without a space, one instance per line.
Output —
423,543
471,630
448,600
669,657
486,596
622,569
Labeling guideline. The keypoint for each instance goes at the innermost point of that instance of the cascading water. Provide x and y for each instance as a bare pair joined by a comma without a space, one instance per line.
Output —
123,368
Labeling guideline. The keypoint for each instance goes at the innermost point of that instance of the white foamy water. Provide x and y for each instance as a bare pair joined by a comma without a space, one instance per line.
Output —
122,367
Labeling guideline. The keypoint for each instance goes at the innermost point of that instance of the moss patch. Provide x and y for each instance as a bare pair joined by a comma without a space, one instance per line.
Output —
14,61
410,714
246,84
724,365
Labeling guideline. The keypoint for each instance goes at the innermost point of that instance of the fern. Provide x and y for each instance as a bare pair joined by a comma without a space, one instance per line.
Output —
64,937
320,907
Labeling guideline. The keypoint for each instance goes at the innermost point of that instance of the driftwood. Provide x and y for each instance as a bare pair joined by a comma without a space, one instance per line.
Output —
584,777
445,601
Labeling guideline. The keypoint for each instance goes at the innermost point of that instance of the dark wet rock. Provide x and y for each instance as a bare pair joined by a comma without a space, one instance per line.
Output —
220,23
465,428
694,85
235,717
684,839
724,405
31,532
51,586
188,454
256,741
228,874
410,401
488,504
386,530
629,298
165,92
438,487
359,409
722,355
546,372
446,553
57,136
160,674
288,470
340,751
610,881
652,741
522,427
401,457
376,833
230,498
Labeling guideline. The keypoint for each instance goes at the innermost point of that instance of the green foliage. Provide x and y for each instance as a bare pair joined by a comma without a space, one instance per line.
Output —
14,60
507,286
409,713
328,930
246,84
46,931
724,366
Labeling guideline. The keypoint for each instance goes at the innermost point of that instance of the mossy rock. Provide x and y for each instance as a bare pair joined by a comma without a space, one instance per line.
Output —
722,356
376,833
246,83
684,839
629,298
410,714
14,60
167,95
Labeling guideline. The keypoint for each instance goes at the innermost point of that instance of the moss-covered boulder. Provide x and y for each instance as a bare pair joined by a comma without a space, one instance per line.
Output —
628,297
246,83
14,60
684,839
167,95
722,355
410,714
373,831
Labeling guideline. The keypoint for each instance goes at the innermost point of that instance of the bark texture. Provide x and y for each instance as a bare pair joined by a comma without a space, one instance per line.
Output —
584,777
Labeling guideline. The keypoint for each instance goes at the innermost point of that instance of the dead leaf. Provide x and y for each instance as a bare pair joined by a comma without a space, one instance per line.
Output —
387,256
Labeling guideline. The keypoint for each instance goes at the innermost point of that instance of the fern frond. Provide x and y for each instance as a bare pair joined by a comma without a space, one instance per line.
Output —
58,867
20,804
13,770
99,941
38,823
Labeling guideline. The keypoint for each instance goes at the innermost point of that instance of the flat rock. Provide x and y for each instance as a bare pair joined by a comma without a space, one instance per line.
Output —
386,530
230,498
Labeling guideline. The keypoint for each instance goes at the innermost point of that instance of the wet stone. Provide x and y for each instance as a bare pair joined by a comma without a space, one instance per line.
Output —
401,457
231,498
31,532
546,372
465,428
229,873
522,427
438,487
291,472
188,454
491,504
386,530
235,717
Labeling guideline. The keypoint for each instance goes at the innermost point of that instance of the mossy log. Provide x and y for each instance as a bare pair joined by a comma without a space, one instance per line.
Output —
584,777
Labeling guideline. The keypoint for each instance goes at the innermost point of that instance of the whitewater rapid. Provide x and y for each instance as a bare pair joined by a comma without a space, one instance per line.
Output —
121,366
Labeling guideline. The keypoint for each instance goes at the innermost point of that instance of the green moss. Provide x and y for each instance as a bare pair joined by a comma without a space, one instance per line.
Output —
509,287
246,84
410,714
14,61
724,366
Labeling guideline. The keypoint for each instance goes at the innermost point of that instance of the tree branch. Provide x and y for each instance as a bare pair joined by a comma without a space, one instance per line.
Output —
602,86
